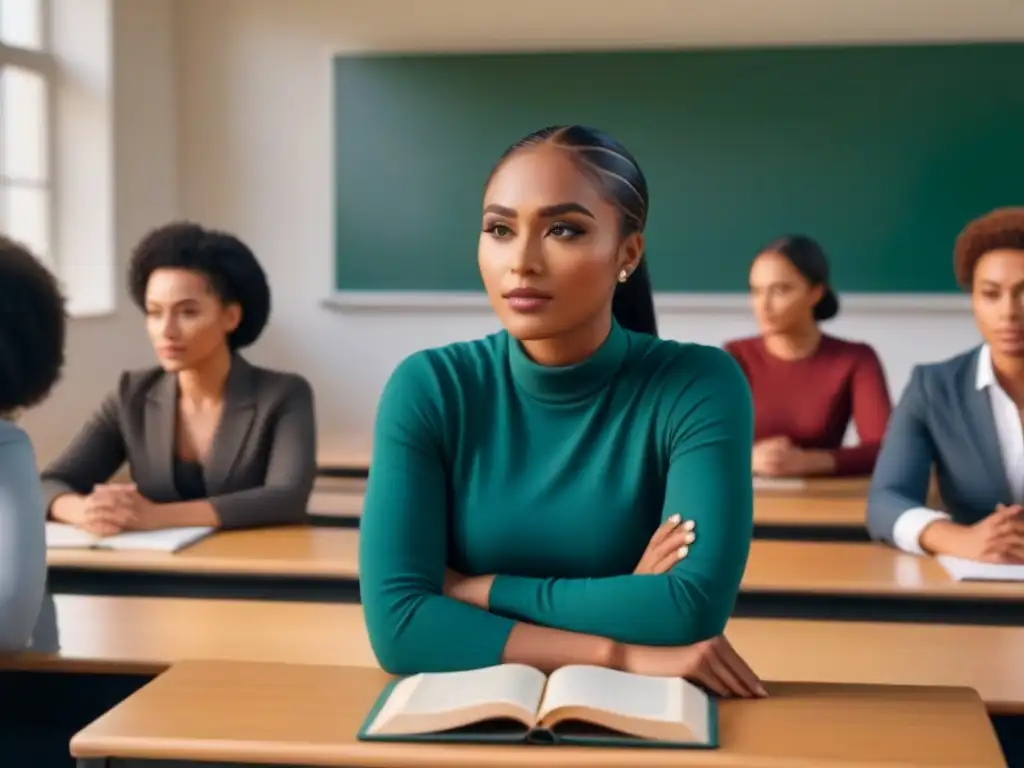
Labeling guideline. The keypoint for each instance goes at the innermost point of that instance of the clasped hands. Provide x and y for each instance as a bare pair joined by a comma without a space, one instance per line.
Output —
115,507
712,663
778,457
997,538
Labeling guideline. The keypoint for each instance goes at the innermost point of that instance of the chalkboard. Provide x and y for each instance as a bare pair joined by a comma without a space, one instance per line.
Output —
882,153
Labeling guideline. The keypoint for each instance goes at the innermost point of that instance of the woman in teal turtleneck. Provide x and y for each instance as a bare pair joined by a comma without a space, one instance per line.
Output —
519,479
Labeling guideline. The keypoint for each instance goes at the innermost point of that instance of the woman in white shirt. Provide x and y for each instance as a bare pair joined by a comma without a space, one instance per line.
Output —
962,417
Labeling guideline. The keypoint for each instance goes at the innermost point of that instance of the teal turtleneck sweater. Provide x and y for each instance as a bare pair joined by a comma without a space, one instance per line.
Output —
554,479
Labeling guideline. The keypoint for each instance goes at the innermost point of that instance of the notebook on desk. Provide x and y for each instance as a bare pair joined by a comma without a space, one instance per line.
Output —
971,570
779,483
61,536
510,703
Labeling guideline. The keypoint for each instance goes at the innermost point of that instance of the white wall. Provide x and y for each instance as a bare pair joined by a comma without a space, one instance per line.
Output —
118,96
253,154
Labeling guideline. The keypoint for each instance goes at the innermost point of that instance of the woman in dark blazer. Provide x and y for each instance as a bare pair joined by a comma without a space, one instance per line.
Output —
210,440
962,417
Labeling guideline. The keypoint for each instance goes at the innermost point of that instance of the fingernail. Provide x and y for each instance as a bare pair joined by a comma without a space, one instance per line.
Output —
761,690
674,519
682,552
689,538
689,525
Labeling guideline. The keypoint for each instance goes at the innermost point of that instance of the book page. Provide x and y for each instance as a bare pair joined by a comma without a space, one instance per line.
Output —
63,536
428,703
971,570
660,708
640,696
165,540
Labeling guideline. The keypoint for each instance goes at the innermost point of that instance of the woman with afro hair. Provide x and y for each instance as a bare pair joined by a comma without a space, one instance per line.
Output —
32,328
962,416
210,439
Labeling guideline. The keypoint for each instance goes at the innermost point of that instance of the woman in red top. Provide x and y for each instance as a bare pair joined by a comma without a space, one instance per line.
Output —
807,385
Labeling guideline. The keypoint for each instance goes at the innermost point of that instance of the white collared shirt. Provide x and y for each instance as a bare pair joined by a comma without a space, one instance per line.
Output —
1010,435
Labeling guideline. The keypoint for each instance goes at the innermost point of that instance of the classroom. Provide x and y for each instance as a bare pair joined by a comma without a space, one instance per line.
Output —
335,153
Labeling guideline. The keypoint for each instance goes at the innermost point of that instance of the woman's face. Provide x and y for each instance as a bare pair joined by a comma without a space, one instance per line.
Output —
997,296
782,299
551,247
186,321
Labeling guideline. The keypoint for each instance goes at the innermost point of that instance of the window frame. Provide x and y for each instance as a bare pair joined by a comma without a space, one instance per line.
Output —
43,62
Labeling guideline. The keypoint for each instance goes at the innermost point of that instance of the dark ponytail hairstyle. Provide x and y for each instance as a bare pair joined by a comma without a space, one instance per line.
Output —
618,175
809,259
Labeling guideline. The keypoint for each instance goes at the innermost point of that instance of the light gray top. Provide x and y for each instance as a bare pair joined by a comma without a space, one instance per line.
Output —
27,617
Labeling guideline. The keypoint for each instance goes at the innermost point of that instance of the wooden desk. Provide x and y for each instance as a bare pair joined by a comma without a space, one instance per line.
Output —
286,563
327,483
351,460
263,714
843,580
786,579
144,636
335,508
810,518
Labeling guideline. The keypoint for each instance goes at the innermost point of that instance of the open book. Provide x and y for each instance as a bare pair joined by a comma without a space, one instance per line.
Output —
61,536
971,570
516,703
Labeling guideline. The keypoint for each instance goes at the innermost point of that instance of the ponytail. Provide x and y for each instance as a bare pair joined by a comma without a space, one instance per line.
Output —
633,303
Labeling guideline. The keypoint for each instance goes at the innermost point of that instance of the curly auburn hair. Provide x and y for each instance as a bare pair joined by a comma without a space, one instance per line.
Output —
228,264
1000,229
33,323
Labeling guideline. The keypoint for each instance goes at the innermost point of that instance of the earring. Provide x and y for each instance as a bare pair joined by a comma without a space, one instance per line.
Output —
623,276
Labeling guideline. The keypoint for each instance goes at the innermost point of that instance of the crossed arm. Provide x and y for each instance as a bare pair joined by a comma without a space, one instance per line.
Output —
415,627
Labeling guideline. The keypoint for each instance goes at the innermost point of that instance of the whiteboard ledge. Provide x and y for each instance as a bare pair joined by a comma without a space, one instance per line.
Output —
665,303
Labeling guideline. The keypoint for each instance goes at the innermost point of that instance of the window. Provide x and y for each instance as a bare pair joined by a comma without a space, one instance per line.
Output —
26,120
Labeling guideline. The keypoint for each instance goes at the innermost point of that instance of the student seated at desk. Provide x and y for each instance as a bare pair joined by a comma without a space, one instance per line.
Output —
963,417
519,479
32,330
807,385
210,439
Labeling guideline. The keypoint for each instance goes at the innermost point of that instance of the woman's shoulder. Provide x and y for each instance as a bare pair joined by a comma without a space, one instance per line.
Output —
273,380
17,453
458,364
847,348
743,348
684,367
13,437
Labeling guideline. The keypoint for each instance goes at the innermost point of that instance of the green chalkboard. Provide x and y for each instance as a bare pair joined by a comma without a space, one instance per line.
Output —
882,153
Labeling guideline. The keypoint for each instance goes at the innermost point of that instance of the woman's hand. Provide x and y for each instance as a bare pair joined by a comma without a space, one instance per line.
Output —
997,538
113,508
669,544
775,457
473,590
713,664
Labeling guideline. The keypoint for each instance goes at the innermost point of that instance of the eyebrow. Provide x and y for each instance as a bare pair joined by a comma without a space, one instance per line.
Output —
549,211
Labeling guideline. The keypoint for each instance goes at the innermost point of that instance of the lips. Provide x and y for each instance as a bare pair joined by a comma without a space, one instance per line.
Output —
527,299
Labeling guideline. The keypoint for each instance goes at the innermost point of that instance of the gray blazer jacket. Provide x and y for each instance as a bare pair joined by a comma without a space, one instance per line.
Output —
942,420
261,466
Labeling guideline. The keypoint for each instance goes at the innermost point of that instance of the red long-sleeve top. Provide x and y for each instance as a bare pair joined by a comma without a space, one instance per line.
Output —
811,401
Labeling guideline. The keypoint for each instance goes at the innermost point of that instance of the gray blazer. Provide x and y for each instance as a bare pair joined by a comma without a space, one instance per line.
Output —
261,466
942,420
